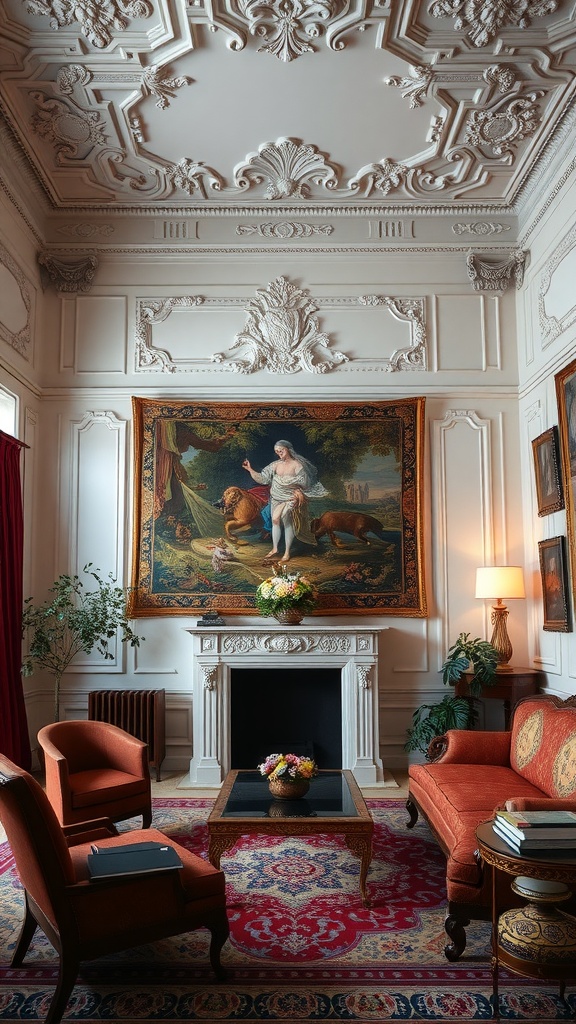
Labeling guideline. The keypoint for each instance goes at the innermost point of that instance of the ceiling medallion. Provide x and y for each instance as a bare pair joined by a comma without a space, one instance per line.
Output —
280,334
483,19
97,20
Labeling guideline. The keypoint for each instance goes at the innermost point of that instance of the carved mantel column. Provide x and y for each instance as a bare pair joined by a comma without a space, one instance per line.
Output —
351,649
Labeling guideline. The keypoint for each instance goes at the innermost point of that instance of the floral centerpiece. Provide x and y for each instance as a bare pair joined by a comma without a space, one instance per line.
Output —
288,775
286,595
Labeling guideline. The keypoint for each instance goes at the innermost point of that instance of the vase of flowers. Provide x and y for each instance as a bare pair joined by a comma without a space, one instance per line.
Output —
288,596
288,775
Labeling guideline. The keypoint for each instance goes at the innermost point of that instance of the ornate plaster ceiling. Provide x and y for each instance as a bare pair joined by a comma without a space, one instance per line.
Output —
218,106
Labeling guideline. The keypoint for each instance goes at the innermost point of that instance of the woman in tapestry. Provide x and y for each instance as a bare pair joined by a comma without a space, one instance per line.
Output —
292,480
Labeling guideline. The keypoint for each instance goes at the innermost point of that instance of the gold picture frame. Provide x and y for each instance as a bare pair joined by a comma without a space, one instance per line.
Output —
565,382
554,574
549,491
358,530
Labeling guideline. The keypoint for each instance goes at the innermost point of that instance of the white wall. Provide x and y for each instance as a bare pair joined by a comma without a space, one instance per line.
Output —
78,489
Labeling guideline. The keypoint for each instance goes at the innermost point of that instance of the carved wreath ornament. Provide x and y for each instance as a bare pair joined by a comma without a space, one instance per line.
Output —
281,334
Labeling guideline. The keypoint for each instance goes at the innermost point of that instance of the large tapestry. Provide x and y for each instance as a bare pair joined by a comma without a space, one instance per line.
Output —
223,492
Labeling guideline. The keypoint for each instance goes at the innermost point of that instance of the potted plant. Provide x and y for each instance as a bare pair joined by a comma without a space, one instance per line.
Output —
72,620
454,711
288,596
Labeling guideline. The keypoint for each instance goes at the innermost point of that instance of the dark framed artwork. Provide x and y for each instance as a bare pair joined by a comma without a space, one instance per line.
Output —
554,573
566,399
549,492
212,504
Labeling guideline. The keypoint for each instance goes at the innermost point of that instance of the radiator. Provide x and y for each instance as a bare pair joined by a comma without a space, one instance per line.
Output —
139,712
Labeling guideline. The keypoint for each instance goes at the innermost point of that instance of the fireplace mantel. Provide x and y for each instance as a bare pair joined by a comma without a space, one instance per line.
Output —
217,650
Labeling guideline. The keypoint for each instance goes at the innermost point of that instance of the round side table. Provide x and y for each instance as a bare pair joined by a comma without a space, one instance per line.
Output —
536,940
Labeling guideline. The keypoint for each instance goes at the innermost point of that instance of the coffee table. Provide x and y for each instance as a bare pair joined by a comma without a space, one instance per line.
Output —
333,805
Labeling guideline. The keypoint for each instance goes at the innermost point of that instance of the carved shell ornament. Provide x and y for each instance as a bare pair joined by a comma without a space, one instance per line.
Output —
281,334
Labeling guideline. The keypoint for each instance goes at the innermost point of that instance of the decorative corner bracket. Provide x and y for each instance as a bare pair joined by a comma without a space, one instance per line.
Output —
67,275
495,273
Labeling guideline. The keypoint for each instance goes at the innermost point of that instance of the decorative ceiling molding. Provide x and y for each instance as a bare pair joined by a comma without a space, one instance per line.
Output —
97,21
480,228
496,273
288,28
482,20
284,229
97,97
281,334
67,275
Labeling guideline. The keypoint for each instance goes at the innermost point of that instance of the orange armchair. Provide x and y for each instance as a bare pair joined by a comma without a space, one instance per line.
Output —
95,770
82,919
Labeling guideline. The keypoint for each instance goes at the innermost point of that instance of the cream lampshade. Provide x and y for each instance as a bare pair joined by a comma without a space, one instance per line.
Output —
497,582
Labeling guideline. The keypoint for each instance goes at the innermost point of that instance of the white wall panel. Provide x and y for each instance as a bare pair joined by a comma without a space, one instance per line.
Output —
100,334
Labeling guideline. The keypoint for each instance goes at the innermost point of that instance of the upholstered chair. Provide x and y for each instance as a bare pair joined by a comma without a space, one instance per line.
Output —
95,770
84,920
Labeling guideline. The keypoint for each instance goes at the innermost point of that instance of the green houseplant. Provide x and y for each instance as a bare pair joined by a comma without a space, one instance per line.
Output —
453,711
74,619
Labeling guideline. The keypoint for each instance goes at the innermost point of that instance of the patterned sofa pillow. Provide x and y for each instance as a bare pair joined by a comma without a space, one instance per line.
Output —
543,747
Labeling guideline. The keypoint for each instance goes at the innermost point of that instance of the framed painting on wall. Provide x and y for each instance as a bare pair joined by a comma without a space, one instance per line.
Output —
225,491
566,399
554,573
546,454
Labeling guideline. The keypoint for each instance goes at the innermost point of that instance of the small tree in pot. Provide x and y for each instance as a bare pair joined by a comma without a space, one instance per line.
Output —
74,620
455,712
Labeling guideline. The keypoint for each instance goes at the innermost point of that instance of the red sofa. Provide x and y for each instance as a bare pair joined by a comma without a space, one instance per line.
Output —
531,767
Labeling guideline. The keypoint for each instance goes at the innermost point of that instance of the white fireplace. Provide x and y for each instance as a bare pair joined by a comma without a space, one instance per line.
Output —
218,650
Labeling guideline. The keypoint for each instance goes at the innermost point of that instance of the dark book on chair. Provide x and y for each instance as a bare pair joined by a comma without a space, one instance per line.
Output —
139,858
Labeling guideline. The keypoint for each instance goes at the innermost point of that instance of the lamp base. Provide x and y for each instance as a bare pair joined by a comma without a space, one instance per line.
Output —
500,639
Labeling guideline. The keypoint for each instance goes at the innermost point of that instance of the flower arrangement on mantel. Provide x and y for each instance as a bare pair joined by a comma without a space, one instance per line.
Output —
284,592
288,767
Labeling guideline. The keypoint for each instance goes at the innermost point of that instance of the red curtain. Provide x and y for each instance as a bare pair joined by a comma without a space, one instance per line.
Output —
14,739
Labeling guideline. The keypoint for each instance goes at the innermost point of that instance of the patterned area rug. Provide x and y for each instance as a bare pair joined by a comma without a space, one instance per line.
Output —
302,946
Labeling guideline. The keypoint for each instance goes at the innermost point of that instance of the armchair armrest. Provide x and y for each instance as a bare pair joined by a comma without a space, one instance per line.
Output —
465,746
544,803
129,754
87,831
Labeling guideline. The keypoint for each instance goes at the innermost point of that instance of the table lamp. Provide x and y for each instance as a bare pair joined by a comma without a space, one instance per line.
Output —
497,582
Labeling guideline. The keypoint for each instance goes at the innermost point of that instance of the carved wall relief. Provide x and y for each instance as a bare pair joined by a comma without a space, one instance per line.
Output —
16,307
556,306
281,335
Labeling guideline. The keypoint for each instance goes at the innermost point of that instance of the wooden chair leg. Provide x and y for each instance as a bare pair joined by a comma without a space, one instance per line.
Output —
29,926
66,980
219,932
146,819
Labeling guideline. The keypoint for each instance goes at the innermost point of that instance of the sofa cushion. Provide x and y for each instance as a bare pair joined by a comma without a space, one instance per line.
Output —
455,799
543,748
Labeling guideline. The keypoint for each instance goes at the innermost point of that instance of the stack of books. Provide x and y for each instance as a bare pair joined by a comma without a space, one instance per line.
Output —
536,832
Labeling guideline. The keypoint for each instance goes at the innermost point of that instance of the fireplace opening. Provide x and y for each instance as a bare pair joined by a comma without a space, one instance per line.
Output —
293,711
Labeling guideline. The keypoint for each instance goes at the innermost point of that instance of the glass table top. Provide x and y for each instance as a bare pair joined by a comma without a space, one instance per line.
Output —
329,796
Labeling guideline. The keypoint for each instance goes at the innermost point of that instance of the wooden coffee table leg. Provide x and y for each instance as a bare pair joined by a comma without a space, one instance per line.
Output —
361,846
217,845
